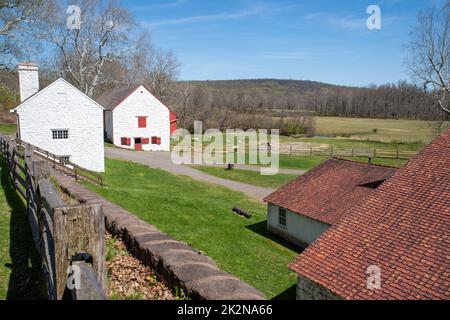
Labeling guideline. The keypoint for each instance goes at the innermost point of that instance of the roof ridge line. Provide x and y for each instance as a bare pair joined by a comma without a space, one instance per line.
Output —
364,164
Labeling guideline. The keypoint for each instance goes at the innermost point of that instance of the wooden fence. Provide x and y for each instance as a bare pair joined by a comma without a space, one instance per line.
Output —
348,152
70,239
58,162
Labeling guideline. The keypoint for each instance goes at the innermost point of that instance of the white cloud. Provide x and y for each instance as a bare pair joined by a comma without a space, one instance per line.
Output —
257,10
171,4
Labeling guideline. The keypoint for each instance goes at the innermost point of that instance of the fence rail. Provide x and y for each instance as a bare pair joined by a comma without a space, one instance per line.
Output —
68,167
292,150
70,239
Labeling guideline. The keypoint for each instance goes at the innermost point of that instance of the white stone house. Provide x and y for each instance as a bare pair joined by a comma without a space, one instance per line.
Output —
136,119
301,211
60,119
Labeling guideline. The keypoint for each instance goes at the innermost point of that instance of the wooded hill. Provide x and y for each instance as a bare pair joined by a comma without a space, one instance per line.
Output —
392,101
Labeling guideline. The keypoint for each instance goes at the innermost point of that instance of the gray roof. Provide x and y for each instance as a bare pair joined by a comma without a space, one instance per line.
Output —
111,99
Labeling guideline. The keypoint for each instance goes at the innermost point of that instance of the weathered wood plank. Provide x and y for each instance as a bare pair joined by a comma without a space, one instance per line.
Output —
79,229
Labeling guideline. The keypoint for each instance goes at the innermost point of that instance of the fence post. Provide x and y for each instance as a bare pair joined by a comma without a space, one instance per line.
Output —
310,151
79,230
398,154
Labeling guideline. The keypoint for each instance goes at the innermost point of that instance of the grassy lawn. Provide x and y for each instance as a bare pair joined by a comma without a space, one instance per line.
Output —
7,128
20,266
250,177
200,214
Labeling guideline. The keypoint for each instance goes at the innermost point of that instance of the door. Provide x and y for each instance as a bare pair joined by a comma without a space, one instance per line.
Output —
138,144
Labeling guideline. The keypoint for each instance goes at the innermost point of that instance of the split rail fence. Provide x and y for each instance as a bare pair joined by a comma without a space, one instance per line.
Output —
69,238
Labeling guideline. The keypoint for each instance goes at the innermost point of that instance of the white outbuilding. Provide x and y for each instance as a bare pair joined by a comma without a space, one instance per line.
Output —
60,119
136,119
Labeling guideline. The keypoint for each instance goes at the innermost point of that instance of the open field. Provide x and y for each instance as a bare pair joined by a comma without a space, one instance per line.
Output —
201,215
387,130
20,266
250,177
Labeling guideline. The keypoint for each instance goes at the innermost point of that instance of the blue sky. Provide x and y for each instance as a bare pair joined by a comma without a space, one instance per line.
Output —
320,40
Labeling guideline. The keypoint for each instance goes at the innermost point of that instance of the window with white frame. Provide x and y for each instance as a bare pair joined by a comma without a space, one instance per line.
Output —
60,134
282,217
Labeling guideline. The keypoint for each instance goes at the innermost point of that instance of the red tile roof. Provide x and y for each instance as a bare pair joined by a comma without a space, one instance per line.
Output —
403,227
328,191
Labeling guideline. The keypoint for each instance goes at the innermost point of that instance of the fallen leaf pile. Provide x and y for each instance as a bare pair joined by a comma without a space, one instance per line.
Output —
128,278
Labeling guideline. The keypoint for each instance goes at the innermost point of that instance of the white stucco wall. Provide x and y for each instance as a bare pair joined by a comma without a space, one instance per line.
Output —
125,122
28,81
62,106
299,229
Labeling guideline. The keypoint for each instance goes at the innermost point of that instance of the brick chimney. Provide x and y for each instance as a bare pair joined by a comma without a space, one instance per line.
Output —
28,79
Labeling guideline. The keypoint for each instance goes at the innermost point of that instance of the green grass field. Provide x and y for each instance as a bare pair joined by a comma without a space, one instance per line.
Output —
7,128
250,177
387,130
200,214
20,266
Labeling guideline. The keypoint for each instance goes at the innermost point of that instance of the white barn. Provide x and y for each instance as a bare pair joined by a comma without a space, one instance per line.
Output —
60,119
136,119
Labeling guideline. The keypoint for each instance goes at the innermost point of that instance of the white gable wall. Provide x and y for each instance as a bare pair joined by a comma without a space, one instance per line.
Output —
61,106
299,230
125,122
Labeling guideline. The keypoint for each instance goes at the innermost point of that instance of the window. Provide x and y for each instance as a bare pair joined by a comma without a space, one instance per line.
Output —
64,159
142,122
60,134
145,140
282,217
156,140
125,141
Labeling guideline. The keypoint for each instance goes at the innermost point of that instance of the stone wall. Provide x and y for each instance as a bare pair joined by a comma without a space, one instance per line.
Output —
310,290
175,262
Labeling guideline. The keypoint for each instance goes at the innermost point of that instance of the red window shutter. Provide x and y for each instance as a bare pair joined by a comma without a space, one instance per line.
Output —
145,140
128,141
158,140
142,122
154,140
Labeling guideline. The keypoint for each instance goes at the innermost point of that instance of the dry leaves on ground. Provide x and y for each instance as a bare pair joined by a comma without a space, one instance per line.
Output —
128,278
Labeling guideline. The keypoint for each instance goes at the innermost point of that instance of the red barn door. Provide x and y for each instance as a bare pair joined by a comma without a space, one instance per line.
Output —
138,144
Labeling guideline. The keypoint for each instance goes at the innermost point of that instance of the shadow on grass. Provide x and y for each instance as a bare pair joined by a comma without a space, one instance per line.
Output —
26,281
288,294
261,229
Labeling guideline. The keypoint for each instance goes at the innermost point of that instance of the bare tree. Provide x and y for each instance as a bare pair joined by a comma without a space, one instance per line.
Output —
85,51
15,15
429,54
156,68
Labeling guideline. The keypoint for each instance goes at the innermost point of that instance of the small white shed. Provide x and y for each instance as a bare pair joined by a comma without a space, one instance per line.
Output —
304,209
136,119
60,119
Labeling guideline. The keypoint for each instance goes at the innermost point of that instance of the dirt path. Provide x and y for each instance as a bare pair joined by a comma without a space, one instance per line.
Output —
161,160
